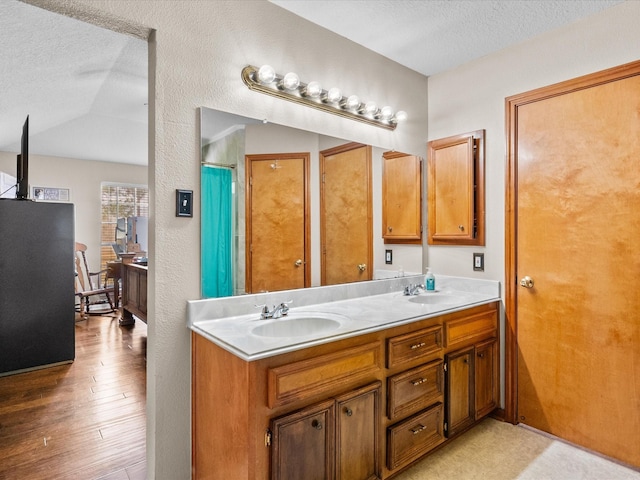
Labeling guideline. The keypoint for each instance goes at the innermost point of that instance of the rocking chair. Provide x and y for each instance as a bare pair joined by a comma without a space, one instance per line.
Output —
93,299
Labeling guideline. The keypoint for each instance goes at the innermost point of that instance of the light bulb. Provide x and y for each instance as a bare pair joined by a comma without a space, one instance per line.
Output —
370,108
353,102
401,116
386,113
290,81
266,74
334,95
314,89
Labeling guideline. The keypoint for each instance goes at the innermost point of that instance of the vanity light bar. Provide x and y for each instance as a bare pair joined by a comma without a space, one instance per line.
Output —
289,87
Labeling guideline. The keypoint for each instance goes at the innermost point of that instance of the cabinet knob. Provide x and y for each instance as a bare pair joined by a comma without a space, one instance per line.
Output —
348,411
390,228
461,227
481,355
298,262
317,425
362,267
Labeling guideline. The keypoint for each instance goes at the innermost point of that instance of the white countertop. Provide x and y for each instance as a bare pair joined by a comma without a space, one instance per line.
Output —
359,308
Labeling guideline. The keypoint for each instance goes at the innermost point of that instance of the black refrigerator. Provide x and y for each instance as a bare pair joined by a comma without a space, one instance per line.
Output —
37,275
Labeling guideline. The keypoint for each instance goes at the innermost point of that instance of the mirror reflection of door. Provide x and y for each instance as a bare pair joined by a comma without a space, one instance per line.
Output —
346,223
277,243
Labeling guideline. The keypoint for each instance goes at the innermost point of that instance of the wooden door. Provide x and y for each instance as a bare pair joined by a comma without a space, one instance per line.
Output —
277,243
357,433
459,390
303,444
346,220
573,230
486,378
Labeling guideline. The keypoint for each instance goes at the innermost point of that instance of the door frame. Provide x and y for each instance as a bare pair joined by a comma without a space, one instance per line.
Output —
511,275
249,158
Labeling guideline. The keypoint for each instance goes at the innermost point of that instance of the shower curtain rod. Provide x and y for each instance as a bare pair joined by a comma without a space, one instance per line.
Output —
222,165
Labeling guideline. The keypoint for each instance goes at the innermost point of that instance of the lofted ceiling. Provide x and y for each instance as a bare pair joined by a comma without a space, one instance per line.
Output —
85,88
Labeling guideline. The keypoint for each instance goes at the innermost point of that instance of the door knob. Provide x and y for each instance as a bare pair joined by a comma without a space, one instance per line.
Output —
526,282
362,267
298,263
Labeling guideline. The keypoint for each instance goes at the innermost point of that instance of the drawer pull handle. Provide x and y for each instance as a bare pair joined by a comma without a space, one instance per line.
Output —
317,425
418,429
415,383
418,345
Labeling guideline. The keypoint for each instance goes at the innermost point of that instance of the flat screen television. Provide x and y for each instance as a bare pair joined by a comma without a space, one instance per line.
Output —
22,175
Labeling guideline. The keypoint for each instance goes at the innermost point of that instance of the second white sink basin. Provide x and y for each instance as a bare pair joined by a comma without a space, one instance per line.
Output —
437,299
299,324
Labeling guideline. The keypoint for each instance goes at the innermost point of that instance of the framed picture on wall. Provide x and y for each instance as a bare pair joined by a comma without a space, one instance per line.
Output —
51,194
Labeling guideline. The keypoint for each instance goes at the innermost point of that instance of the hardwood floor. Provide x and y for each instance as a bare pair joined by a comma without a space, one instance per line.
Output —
85,420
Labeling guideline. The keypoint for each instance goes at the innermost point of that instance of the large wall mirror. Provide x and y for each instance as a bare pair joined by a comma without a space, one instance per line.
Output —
276,174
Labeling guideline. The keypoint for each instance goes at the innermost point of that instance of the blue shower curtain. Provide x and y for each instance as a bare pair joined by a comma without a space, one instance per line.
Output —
217,233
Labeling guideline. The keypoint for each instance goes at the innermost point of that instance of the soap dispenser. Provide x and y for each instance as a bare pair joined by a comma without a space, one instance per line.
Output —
429,281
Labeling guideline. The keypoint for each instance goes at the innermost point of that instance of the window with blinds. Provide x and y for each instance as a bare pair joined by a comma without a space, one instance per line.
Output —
119,201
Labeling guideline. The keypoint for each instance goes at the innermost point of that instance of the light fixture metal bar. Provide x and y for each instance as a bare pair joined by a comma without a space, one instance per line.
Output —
249,77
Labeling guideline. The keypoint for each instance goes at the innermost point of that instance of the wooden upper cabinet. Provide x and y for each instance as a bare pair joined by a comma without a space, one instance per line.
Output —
401,198
455,185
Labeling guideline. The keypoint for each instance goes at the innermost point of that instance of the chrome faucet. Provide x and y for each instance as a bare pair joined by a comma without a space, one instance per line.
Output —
277,312
412,289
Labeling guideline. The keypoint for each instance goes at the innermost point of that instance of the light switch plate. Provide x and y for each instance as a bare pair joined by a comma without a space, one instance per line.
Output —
388,257
184,203
478,262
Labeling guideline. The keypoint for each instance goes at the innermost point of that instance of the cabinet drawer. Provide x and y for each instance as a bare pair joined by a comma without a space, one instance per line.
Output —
304,379
413,346
415,389
412,438
468,329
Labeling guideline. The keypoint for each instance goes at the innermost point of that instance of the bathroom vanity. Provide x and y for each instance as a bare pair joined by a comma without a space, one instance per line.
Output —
356,382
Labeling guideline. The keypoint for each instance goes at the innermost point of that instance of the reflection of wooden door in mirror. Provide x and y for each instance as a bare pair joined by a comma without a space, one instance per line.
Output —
277,218
345,214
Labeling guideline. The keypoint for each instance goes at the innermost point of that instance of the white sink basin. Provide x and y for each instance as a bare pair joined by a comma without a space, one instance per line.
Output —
437,299
299,324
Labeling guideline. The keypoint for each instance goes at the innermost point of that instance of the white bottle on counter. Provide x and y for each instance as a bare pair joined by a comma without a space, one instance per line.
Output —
429,281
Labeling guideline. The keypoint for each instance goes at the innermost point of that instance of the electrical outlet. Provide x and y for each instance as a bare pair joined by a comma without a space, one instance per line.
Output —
478,262
388,257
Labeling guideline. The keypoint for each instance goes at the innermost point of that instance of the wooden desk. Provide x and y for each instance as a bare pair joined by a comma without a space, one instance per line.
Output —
134,293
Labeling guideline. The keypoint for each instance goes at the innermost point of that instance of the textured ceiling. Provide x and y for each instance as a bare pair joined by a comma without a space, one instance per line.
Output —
431,36
85,88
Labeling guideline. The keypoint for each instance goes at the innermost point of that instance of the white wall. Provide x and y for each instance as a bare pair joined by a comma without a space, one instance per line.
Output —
472,97
84,178
197,51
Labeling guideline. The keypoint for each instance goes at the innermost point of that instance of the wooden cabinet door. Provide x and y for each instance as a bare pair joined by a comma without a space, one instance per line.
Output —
303,444
357,434
460,406
455,186
277,243
486,378
346,219
401,198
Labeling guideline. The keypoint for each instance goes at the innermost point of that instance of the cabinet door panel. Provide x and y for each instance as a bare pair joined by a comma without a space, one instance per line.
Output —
357,433
486,382
401,198
303,444
460,390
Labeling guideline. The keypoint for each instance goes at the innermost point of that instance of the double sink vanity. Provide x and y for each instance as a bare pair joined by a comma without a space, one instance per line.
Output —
351,382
